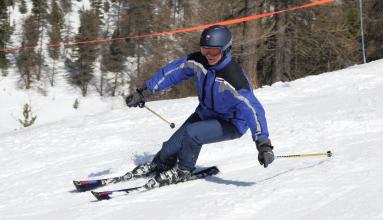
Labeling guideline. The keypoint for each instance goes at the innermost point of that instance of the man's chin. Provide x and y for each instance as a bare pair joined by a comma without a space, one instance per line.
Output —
212,62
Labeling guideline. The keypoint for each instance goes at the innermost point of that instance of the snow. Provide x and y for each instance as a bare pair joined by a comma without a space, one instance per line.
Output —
339,111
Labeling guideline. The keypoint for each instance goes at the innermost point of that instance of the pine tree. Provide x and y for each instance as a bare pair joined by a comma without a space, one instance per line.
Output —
39,10
76,104
28,117
137,20
27,59
23,9
66,5
106,7
112,61
82,63
5,33
97,5
39,7
11,3
56,20
374,29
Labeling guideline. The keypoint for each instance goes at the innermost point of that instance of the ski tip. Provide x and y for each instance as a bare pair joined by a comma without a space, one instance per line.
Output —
86,185
216,170
101,195
77,184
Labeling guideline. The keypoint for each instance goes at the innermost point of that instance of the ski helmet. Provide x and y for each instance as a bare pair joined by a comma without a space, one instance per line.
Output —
216,36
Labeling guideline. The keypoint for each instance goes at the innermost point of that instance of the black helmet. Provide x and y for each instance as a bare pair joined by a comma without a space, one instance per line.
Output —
217,36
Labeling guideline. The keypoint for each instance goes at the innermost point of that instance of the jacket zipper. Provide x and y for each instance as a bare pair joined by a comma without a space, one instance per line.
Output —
204,90
212,95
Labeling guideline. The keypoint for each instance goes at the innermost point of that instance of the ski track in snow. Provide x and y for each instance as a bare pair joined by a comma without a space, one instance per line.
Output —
340,111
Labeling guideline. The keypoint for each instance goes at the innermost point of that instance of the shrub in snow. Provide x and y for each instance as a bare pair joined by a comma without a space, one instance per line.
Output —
28,119
76,104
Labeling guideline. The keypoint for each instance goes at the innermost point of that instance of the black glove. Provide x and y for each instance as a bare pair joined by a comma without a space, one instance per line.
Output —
265,152
137,98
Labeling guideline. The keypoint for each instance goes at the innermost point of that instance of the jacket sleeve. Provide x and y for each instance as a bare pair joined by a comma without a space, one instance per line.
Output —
170,75
253,112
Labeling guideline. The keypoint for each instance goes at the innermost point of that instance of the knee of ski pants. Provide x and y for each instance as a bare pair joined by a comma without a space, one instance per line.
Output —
192,134
205,132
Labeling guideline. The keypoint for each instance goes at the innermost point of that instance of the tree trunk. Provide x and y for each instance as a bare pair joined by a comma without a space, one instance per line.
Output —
40,59
251,35
115,84
282,60
53,73
102,81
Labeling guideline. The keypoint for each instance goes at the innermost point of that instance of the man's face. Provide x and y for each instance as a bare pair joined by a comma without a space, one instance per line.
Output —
213,55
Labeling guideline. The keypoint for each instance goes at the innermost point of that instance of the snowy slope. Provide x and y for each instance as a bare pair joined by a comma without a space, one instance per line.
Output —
340,111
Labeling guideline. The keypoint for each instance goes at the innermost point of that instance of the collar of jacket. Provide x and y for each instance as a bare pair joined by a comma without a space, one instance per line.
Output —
222,63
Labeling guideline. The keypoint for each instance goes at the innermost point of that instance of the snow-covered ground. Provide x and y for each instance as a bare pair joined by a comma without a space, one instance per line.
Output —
340,111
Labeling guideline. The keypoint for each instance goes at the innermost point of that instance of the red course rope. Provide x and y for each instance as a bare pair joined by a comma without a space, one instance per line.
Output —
196,28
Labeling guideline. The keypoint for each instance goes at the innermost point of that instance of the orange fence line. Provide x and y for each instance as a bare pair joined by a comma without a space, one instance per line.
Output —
196,28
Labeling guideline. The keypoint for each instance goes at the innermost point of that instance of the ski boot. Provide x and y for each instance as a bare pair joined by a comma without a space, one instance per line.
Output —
172,176
144,170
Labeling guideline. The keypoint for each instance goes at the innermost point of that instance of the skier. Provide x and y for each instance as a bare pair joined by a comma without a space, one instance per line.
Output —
227,108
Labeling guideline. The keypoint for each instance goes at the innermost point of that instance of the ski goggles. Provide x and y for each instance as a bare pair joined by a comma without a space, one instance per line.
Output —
210,51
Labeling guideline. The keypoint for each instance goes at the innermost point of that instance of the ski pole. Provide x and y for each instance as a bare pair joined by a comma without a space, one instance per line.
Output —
171,124
328,154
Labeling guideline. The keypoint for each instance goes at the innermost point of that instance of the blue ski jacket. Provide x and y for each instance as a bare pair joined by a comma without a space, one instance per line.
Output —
224,92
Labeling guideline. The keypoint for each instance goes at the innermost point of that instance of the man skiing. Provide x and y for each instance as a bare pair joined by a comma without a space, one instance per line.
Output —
227,108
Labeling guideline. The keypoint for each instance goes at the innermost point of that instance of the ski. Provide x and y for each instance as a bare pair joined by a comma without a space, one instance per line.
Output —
86,185
103,195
